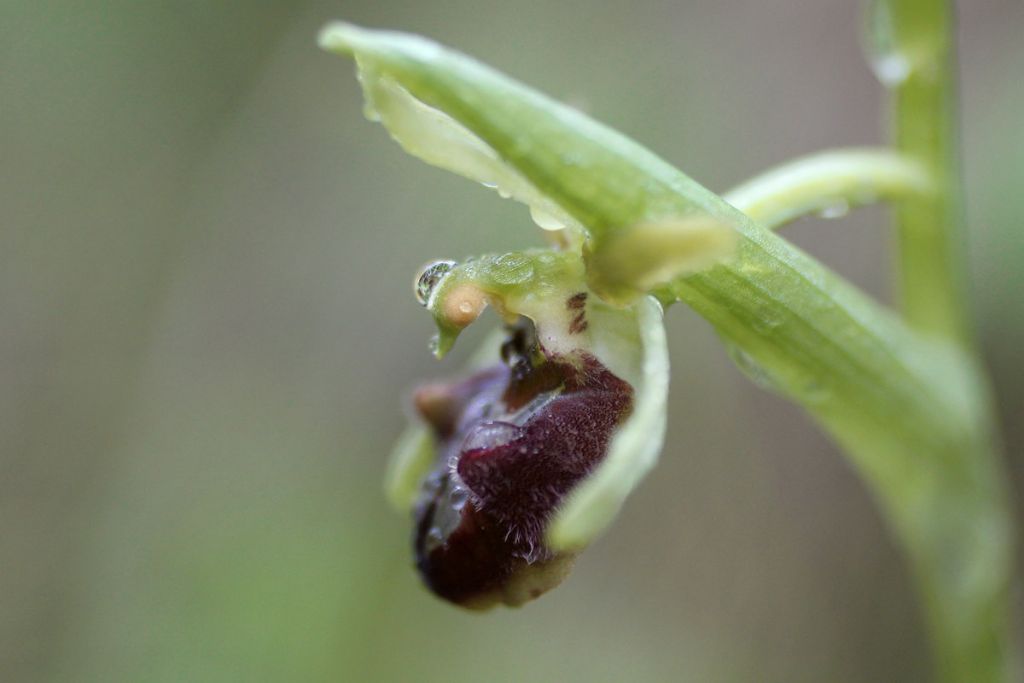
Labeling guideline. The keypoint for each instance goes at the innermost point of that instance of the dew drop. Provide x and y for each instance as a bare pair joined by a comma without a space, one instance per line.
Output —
891,66
490,435
891,69
754,371
765,324
451,497
429,277
458,497
545,220
370,112
835,209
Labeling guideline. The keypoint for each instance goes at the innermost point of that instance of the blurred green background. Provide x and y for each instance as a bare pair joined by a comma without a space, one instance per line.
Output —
207,332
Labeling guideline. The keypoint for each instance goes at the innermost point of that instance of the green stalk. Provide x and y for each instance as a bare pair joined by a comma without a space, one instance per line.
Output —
908,406
911,46
829,184
911,412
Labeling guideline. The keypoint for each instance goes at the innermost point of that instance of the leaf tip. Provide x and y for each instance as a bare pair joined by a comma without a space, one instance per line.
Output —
340,37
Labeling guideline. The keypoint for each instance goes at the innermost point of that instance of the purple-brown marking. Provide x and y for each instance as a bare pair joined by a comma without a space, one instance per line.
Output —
579,323
512,441
576,300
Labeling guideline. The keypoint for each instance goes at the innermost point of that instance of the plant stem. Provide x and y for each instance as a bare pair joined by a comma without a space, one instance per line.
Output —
832,181
911,44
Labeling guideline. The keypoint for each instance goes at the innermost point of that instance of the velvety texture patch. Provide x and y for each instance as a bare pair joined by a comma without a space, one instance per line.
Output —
512,441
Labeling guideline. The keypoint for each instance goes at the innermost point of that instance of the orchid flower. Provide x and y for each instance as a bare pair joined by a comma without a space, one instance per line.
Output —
530,456
518,466
512,469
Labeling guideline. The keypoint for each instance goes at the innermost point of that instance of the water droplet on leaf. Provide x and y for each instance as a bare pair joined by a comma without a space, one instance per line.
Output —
891,69
765,324
891,66
428,279
754,371
370,112
835,209
545,220
491,435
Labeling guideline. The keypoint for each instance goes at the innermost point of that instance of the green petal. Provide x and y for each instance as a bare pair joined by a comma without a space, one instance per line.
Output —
410,461
633,451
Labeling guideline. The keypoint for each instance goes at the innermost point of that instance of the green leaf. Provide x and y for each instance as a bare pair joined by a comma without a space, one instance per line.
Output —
456,113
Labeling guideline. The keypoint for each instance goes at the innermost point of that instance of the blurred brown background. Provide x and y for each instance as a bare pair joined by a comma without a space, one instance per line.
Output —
207,330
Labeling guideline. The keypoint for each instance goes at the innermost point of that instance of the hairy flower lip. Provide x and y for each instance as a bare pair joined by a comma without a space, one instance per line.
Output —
630,342
512,441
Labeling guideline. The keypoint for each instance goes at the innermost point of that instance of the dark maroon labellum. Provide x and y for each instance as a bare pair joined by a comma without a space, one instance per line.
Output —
512,441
